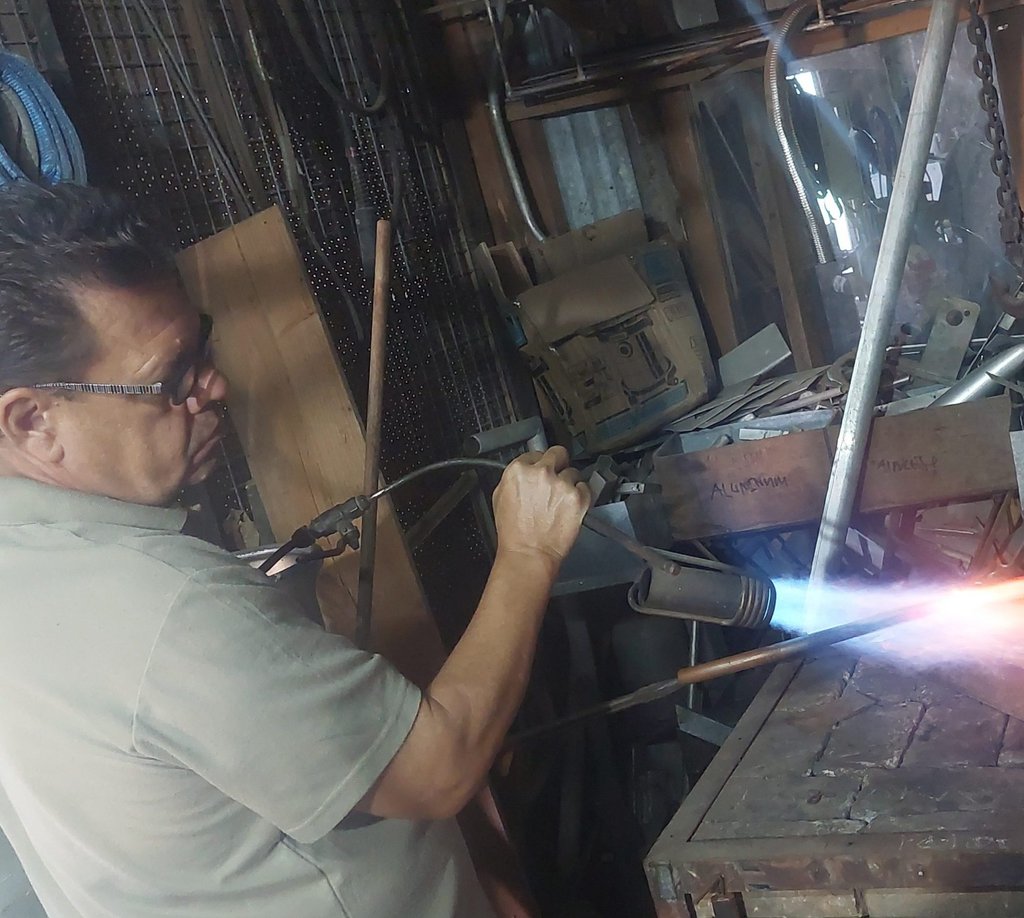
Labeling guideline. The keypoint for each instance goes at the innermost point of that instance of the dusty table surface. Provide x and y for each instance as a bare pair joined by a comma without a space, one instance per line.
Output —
854,778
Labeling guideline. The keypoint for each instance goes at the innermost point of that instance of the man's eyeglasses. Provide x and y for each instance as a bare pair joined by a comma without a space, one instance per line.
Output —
179,384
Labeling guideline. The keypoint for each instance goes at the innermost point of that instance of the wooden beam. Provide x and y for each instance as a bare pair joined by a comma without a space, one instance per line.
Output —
915,459
892,21
702,246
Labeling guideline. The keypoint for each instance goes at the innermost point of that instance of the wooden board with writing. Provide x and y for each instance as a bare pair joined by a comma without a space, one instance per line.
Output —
935,455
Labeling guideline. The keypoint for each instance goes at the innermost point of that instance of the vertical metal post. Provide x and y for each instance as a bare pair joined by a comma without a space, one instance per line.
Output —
892,259
374,417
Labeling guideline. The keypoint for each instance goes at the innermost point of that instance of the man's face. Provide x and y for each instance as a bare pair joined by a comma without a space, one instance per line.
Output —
140,448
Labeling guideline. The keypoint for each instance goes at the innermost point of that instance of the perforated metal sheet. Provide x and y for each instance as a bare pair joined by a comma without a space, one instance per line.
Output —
133,74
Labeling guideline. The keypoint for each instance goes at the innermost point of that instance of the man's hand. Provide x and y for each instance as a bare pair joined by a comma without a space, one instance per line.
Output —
539,505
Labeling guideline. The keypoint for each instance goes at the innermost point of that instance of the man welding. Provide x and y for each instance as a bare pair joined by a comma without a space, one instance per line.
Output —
175,737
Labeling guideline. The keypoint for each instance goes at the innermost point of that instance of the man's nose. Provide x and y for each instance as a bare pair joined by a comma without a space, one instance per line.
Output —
211,386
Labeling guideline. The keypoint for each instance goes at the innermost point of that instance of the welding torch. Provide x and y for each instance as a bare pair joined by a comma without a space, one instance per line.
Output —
755,607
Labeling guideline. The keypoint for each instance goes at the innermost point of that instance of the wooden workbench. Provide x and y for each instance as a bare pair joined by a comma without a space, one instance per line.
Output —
852,788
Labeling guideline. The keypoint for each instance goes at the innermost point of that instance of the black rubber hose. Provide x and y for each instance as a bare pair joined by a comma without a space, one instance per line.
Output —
303,538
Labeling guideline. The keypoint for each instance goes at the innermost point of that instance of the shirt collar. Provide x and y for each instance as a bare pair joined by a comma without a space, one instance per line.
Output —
25,501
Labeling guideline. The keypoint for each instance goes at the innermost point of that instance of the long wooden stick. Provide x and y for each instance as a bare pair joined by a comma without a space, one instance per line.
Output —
374,415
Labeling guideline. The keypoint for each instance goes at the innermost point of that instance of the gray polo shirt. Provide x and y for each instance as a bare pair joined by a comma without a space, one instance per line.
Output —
176,739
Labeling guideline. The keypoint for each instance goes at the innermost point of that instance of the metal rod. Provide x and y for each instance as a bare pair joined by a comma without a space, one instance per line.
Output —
496,109
694,659
726,666
374,415
651,556
798,15
892,259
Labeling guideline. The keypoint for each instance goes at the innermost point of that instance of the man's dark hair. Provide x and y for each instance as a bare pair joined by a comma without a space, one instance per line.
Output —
53,240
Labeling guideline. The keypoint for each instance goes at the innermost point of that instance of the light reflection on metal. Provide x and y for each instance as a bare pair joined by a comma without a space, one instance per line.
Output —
878,320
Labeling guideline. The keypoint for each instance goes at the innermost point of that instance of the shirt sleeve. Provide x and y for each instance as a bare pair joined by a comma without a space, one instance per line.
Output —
292,722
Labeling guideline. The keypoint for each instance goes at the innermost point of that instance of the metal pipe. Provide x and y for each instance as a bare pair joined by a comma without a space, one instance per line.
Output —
727,666
529,431
374,417
776,99
979,383
892,259
496,108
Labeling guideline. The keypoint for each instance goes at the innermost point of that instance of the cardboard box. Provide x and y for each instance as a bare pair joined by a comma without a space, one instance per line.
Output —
617,346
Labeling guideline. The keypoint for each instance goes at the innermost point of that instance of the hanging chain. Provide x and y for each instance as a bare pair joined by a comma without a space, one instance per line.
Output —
1011,220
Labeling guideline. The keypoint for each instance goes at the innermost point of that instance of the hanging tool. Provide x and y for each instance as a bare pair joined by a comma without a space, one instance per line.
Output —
374,418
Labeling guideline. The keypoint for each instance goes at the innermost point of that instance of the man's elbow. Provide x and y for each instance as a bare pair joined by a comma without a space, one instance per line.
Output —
452,793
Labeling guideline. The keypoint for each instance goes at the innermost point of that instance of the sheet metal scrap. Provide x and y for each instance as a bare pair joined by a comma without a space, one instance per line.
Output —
753,399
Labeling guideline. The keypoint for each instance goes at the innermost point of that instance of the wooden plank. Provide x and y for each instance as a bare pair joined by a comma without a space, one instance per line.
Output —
748,487
902,903
794,904
933,859
913,460
298,423
702,245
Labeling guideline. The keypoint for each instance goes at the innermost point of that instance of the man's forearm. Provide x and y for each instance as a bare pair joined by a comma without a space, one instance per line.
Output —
467,709
481,685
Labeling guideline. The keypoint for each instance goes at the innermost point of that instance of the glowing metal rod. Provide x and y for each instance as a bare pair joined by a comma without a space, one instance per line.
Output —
705,672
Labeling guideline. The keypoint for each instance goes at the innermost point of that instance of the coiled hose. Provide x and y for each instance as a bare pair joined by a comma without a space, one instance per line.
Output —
777,99
61,158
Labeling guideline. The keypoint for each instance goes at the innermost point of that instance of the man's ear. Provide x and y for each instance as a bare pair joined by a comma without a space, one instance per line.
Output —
28,424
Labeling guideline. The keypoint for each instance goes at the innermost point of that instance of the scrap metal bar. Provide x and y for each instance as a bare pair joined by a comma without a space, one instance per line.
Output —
892,259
